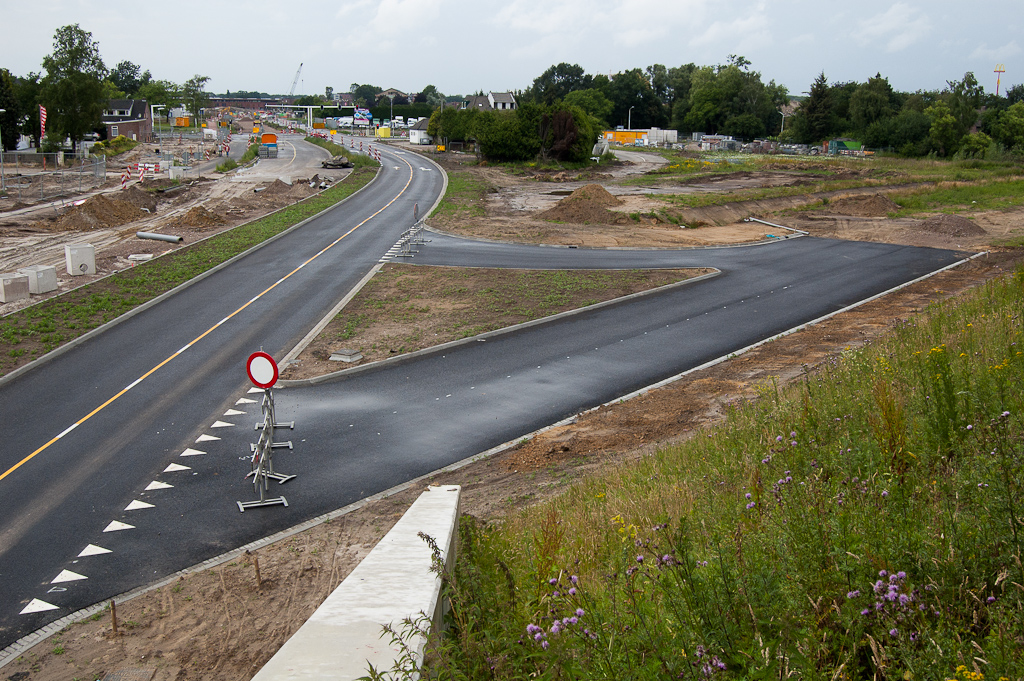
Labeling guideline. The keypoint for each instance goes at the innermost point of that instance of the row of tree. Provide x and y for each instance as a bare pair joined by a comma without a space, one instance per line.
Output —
732,99
76,89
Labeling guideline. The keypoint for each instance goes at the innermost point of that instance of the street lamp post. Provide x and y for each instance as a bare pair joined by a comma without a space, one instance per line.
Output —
783,122
629,119
3,181
153,108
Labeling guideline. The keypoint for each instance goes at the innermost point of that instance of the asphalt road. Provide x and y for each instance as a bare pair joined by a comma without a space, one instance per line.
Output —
368,431
189,352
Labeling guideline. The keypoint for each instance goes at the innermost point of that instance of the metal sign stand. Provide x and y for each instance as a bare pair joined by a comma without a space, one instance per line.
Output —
262,462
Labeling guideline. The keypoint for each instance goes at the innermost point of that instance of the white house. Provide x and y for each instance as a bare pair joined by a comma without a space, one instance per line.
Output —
418,132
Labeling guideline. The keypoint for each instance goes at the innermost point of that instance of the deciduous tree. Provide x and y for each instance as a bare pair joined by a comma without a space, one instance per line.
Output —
72,90
12,111
193,94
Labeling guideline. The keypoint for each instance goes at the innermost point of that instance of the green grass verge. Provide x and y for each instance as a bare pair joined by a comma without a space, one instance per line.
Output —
991,195
358,160
463,198
227,165
33,331
250,153
113,147
863,523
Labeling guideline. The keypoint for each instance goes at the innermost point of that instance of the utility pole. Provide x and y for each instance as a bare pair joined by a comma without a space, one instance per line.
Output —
3,181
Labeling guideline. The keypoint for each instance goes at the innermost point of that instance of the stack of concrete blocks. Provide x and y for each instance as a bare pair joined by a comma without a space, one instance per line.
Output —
13,286
80,259
41,278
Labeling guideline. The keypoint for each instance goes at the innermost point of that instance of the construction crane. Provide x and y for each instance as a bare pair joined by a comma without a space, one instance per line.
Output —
291,93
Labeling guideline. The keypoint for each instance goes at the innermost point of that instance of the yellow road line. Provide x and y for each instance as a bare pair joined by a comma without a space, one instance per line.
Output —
205,333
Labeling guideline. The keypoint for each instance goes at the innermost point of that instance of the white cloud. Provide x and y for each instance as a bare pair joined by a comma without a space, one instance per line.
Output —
983,51
898,28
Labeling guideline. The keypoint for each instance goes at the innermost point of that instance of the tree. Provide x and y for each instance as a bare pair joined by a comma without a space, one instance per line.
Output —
1010,130
431,96
945,130
556,82
812,121
72,90
872,101
593,102
963,97
9,119
28,91
365,95
975,145
1015,94
329,93
127,77
632,89
160,92
193,96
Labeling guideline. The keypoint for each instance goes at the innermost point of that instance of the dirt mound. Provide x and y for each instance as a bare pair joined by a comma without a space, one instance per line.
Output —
951,225
139,198
99,212
585,205
867,206
200,217
277,188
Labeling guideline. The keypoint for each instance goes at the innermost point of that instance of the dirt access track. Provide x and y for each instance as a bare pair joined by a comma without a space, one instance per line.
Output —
217,623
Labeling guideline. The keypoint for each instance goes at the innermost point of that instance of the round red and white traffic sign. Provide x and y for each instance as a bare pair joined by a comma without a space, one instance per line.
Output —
262,370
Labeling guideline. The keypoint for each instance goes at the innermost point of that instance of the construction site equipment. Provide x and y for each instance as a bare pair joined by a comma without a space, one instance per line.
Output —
291,93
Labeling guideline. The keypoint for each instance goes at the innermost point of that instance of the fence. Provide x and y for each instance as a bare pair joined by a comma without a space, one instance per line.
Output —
40,177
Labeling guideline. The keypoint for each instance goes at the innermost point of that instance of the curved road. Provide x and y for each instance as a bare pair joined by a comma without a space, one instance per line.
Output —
369,430
90,430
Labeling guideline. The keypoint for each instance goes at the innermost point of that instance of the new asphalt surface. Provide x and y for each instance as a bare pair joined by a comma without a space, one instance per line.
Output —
364,432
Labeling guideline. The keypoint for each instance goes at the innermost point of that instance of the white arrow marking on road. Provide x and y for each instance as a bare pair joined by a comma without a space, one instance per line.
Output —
255,390
116,525
206,438
192,452
233,412
93,550
222,424
67,576
245,400
137,505
156,484
36,605
174,467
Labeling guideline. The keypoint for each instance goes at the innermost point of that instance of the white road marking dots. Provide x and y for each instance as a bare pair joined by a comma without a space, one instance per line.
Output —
36,605
245,400
192,452
222,424
206,438
93,550
233,412
116,525
67,576
174,467
156,484
137,506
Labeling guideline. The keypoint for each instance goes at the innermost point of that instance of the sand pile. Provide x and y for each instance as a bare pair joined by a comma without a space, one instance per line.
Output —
867,206
585,205
277,188
139,198
951,225
99,212
199,217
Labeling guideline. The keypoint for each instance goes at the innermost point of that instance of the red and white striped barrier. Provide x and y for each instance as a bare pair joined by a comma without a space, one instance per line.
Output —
124,179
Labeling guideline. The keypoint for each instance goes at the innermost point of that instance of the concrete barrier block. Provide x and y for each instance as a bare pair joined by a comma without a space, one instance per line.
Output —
41,278
80,259
343,637
13,286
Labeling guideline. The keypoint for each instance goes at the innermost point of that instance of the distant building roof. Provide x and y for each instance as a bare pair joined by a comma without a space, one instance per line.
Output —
421,124
505,97
125,110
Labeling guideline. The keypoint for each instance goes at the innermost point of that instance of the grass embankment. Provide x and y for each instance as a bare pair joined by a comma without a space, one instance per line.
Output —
36,330
865,523
464,197
358,160
250,153
113,147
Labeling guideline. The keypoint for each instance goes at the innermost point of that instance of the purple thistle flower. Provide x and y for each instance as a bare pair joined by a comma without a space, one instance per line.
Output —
970,427
865,611
1005,414
792,434
778,438
556,626
544,645
893,632
751,505
793,443
853,594
572,591
552,581
555,594
532,628
879,585
901,575
990,599
639,559
885,493
571,620
539,636
574,579
579,612
904,599
747,495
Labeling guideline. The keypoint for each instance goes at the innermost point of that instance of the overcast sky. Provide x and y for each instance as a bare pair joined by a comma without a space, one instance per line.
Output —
461,46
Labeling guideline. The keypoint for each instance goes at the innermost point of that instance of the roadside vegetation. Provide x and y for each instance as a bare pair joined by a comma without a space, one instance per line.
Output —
862,523
250,153
33,331
358,160
113,147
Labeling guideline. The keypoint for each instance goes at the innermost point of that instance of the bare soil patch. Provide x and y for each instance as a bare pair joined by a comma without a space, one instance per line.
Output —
868,206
